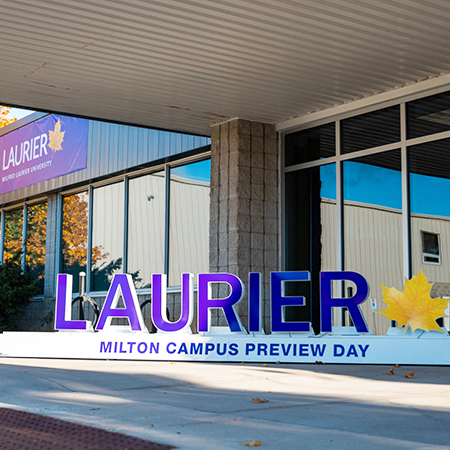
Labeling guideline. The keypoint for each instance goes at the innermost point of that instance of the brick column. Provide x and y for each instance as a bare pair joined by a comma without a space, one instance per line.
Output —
244,205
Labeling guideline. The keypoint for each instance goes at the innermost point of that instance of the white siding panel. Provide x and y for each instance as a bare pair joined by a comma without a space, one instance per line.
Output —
189,228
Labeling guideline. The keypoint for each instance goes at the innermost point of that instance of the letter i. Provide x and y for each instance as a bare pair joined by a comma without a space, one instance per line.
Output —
254,302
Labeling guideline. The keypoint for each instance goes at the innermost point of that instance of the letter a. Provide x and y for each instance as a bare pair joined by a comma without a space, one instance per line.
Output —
122,285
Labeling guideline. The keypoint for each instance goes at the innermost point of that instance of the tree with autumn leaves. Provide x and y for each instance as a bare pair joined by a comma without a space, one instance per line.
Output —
35,242
74,237
4,120
75,234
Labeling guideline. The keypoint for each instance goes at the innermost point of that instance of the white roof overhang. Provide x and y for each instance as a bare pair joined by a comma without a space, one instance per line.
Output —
187,64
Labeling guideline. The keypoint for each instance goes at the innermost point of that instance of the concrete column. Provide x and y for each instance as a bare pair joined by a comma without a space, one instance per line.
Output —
244,224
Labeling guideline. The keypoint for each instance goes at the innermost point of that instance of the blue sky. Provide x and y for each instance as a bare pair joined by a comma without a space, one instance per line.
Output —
199,171
374,185
19,113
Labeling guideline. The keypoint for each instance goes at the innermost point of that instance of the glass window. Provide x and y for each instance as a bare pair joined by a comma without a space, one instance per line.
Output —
430,248
146,212
189,220
428,115
371,130
36,240
373,226
13,235
310,205
74,235
107,234
310,145
429,166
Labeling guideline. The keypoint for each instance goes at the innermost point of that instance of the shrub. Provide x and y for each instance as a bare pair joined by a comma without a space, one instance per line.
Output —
16,289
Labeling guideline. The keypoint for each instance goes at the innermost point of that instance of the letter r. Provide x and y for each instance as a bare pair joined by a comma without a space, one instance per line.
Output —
327,302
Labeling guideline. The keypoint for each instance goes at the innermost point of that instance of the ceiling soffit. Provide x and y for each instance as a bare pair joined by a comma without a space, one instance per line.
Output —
184,65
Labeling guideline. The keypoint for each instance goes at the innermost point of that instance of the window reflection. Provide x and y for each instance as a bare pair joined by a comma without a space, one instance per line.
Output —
373,225
310,145
107,234
36,240
430,248
13,235
189,220
428,115
74,235
430,211
146,227
310,234
371,130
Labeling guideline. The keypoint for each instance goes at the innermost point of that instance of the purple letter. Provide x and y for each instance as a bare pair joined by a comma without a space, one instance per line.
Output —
279,301
122,285
63,311
159,303
205,302
327,302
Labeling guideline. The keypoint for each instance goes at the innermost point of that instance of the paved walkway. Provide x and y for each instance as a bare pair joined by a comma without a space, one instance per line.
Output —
25,430
209,406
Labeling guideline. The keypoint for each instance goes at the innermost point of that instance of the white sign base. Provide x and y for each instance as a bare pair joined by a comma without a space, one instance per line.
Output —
395,348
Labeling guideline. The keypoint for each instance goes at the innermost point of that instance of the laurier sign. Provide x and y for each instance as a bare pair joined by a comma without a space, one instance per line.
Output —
292,342
122,286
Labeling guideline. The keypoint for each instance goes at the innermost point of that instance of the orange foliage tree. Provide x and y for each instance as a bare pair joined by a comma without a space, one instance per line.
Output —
13,234
4,111
75,233
74,237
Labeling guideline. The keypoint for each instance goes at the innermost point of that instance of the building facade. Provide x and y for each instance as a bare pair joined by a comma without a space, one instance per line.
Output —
360,188
140,205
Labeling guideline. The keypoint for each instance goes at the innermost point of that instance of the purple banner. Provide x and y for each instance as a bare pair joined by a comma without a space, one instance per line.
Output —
42,150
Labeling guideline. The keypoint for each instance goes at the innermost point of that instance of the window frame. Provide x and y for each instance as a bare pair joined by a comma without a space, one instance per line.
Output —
427,254
24,207
403,144
166,167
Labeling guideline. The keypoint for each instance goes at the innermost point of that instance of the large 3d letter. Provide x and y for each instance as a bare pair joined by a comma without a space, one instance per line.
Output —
122,285
327,302
64,306
205,302
159,303
279,301
254,302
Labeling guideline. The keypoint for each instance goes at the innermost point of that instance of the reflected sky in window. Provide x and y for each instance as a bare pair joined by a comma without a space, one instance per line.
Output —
365,183
200,171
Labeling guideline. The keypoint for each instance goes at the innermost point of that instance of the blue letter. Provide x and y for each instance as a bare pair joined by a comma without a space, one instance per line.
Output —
327,302
249,348
363,349
339,350
205,302
279,301
254,302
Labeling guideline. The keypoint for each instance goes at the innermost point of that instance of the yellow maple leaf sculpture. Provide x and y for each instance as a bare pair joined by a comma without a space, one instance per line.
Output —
414,306
56,137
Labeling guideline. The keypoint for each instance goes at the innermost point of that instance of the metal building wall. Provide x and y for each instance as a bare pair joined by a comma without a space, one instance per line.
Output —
113,148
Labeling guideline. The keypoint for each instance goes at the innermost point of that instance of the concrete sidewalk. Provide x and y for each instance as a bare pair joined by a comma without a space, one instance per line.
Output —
209,406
